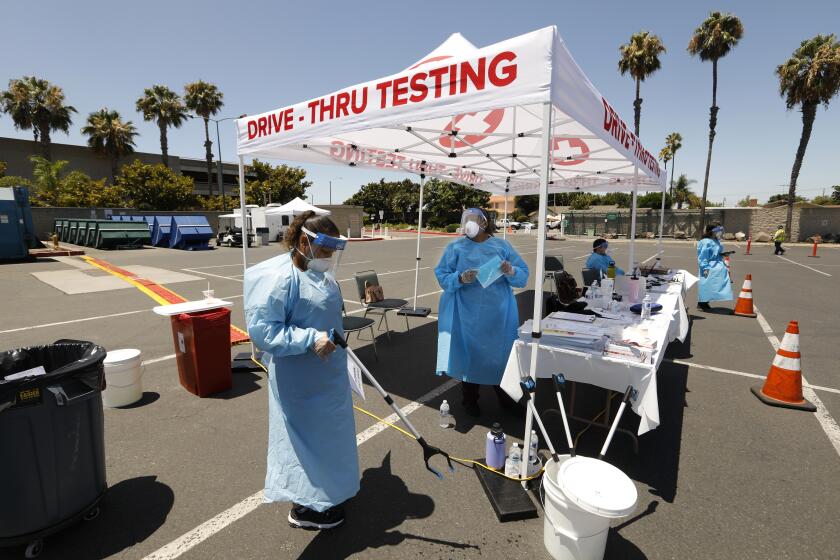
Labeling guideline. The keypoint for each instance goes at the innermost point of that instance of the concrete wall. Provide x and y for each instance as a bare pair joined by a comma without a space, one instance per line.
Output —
819,221
769,219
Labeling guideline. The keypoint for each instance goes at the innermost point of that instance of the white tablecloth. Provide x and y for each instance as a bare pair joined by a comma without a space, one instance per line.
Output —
609,372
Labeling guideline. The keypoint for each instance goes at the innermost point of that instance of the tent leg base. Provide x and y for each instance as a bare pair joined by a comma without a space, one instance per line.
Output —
509,500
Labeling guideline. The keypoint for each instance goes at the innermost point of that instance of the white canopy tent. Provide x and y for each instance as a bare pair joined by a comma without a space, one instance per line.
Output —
296,206
517,117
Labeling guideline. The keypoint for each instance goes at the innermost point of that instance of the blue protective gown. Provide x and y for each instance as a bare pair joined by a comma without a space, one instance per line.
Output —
715,287
312,456
477,326
602,263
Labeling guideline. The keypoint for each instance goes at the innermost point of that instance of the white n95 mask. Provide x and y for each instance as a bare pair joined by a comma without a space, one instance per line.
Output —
471,229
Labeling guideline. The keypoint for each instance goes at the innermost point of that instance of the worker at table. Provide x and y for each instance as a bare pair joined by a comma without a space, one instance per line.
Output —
600,258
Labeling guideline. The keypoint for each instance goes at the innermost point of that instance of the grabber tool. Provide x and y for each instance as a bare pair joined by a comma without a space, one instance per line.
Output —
429,451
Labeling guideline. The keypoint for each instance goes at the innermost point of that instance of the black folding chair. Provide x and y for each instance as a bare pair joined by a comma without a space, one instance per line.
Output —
382,307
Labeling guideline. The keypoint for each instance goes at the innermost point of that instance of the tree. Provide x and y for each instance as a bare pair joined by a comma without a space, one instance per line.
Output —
581,201
713,40
204,100
822,200
2,168
528,203
835,194
682,194
666,155
448,200
810,77
673,142
278,184
37,104
783,198
653,200
745,202
155,187
163,106
640,57
79,190
109,136
46,180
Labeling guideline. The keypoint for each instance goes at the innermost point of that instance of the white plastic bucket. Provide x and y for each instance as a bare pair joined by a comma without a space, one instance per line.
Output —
123,373
582,495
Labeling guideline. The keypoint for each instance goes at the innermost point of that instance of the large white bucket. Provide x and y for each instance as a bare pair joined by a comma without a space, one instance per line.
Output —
582,495
123,373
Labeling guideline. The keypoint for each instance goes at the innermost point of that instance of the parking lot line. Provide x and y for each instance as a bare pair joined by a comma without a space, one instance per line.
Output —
827,422
212,526
805,266
211,274
745,374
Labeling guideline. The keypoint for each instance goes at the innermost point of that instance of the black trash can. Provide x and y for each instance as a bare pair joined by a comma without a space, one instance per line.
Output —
53,440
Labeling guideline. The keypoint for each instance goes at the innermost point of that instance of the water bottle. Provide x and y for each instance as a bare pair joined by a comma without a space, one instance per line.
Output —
445,417
646,304
534,447
495,447
611,270
514,460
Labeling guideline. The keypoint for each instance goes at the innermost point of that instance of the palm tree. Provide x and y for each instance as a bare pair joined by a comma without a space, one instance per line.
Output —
682,193
163,106
809,77
204,100
108,135
640,57
37,104
673,142
712,41
46,176
666,155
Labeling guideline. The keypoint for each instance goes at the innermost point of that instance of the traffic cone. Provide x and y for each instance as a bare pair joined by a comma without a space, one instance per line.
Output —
744,305
728,264
783,386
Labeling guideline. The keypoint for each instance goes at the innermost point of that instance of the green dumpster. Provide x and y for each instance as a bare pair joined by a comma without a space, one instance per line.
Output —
65,229
73,225
122,235
57,227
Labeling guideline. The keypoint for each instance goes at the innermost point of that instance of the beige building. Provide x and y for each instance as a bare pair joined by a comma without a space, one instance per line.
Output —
497,203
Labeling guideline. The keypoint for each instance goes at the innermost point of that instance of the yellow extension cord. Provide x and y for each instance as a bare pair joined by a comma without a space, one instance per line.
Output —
464,462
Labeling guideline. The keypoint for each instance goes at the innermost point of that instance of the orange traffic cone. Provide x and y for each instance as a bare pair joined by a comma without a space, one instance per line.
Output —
744,305
783,386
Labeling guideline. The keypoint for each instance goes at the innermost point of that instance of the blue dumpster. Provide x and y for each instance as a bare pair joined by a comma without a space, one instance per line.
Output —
160,230
190,233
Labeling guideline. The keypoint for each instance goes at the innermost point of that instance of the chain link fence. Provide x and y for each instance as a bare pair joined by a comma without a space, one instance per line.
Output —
618,222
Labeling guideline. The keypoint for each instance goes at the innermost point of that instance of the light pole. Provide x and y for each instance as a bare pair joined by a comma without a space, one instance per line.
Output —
220,180
337,178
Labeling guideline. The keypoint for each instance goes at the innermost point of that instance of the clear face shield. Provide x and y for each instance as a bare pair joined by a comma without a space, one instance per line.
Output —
718,232
325,252
473,222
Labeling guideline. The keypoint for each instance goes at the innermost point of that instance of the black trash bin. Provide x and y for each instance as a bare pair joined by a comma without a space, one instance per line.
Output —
52,435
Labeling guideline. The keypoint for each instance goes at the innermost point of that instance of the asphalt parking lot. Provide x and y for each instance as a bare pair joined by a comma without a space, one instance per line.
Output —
724,476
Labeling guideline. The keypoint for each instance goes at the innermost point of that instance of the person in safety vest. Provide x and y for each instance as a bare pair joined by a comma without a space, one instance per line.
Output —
778,238
714,283
478,318
292,302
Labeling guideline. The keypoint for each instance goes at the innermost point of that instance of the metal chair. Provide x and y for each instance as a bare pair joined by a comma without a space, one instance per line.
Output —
381,307
352,324
552,265
591,275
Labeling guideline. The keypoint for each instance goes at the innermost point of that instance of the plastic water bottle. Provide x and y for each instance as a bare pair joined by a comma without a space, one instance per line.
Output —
445,417
611,270
534,447
495,447
646,304
514,460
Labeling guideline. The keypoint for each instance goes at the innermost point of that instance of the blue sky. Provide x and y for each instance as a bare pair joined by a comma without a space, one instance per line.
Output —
265,55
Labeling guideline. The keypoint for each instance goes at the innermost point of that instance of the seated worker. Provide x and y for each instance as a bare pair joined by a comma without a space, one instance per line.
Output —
599,259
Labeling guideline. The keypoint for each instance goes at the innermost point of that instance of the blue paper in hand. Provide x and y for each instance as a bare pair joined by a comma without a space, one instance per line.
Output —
490,271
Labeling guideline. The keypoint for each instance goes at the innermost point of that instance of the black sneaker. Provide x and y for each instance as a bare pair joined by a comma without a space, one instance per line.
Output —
304,518
704,306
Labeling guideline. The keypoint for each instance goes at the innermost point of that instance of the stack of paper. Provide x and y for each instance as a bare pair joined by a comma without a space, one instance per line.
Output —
628,352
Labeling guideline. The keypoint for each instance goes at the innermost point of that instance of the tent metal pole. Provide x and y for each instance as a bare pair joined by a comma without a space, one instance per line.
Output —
632,255
661,227
545,174
419,229
504,223
244,214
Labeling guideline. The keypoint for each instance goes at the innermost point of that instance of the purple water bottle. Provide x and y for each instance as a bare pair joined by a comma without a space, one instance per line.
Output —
495,447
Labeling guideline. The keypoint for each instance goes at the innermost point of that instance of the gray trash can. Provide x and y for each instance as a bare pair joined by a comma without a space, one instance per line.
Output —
262,234
52,426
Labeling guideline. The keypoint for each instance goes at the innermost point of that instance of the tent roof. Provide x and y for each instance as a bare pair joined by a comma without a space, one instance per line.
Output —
295,206
468,115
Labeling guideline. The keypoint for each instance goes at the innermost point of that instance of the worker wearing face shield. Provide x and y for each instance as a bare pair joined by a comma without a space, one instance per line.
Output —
714,283
478,317
292,301
600,258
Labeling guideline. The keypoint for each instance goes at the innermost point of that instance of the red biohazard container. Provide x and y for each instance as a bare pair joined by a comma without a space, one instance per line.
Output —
202,350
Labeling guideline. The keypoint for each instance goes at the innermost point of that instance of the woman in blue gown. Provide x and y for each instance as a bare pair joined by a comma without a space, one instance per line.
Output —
714,283
291,304
478,324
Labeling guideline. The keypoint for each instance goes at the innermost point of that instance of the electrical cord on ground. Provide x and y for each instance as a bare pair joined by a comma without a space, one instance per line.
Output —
469,463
